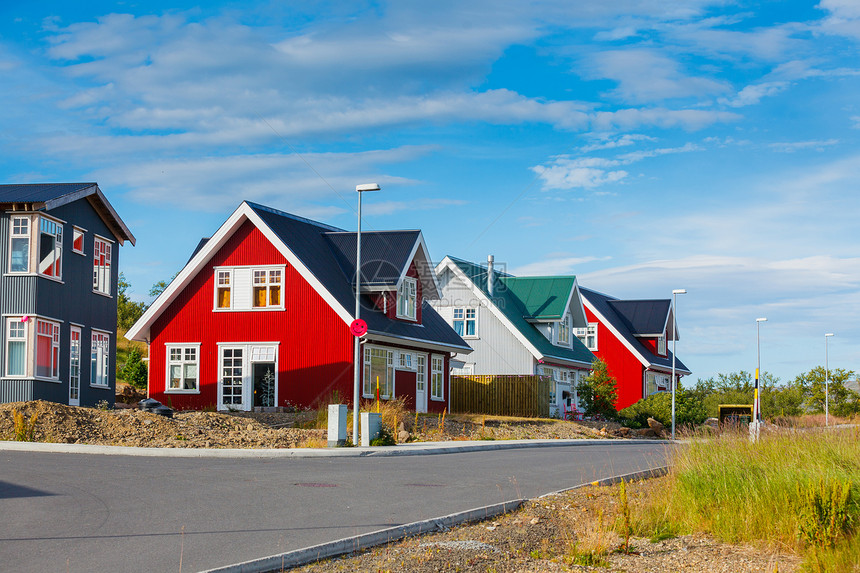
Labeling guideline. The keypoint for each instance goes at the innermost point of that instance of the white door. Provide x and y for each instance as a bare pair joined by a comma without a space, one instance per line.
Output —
231,382
75,367
421,383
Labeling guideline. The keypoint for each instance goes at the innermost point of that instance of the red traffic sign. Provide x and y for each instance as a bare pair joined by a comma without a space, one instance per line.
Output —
358,327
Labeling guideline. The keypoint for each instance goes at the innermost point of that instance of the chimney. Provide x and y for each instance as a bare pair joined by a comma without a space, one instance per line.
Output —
490,276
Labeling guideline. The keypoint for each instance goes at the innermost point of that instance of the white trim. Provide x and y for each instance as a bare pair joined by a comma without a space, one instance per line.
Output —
83,240
168,346
430,381
404,284
104,238
420,343
73,328
419,242
140,330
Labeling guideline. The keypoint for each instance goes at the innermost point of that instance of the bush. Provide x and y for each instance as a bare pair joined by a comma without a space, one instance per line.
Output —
134,371
598,392
689,410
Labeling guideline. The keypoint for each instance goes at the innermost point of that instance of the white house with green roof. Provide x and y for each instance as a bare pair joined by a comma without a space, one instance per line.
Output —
516,325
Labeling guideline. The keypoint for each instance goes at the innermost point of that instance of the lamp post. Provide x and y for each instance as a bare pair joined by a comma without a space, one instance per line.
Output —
357,363
826,382
756,398
675,294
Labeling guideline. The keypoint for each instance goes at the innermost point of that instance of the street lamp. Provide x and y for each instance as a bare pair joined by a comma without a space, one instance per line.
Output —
826,382
356,393
754,424
675,294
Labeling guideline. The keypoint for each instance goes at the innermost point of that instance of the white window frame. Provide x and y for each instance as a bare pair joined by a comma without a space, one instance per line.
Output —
588,333
26,234
224,279
562,332
406,360
437,377
661,345
82,233
407,299
55,225
22,328
466,316
102,248
52,331
420,372
185,350
368,386
652,386
263,278
100,359
75,346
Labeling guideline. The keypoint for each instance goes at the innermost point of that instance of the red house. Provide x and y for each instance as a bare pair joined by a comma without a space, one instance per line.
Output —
630,336
260,315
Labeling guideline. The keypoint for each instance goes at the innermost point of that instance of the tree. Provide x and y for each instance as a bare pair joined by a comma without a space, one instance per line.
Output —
127,312
134,371
598,391
842,400
689,409
159,287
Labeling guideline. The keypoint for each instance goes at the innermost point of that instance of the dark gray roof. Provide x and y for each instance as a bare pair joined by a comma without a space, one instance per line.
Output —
51,195
384,255
606,306
643,317
310,242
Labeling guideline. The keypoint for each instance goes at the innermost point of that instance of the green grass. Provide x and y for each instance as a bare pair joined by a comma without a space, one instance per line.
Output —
754,492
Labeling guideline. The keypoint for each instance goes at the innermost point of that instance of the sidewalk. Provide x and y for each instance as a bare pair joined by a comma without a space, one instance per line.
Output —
413,449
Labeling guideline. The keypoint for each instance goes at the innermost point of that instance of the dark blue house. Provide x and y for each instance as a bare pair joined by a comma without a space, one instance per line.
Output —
59,261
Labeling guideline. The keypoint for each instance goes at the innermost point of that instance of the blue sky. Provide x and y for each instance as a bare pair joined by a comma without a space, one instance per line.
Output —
643,145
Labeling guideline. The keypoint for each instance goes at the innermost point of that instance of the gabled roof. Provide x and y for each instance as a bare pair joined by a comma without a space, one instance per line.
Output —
647,318
47,196
307,247
541,298
519,305
632,322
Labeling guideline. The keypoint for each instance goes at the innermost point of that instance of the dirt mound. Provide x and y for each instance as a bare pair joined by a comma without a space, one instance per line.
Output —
73,425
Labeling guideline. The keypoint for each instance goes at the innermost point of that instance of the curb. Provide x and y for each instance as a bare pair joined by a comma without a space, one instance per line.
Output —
350,545
415,449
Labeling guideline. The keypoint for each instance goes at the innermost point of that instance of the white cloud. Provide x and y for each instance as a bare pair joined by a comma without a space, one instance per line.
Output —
607,141
647,76
753,94
794,146
561,265
688,119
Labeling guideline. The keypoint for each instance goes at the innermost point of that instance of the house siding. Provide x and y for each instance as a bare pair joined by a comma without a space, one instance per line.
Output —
495,349
627,370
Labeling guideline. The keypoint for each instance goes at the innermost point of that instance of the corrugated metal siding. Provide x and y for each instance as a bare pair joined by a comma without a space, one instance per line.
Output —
620,363
18,295
16,390
496,350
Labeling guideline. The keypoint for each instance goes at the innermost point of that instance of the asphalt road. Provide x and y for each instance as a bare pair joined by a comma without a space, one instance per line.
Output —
86,513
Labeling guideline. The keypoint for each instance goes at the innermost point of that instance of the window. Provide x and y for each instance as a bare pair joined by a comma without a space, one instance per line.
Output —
100,359
661,345
47,349
249,288
232,376
75,366
267,288
78,240
101,266
464,321
437,377
224,288
657,382
588,335
407,360
407,298
563,331
16,347
50,248
183,368
378,369
19,261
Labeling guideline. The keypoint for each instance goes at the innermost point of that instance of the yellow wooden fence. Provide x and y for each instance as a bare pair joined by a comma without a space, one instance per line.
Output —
503,395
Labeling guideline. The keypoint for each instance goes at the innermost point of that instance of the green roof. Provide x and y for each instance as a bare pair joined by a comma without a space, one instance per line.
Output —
522,299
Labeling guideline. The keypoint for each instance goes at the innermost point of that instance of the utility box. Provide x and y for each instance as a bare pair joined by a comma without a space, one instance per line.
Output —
371,424
336,425
736,414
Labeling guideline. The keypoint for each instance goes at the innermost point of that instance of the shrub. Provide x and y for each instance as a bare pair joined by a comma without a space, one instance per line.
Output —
599,391
824,512
25,431
134,371
689,410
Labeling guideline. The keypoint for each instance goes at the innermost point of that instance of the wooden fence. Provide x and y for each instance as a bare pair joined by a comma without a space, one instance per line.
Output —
505,395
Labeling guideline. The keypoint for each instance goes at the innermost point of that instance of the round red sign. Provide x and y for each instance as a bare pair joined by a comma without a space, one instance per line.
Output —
358,327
